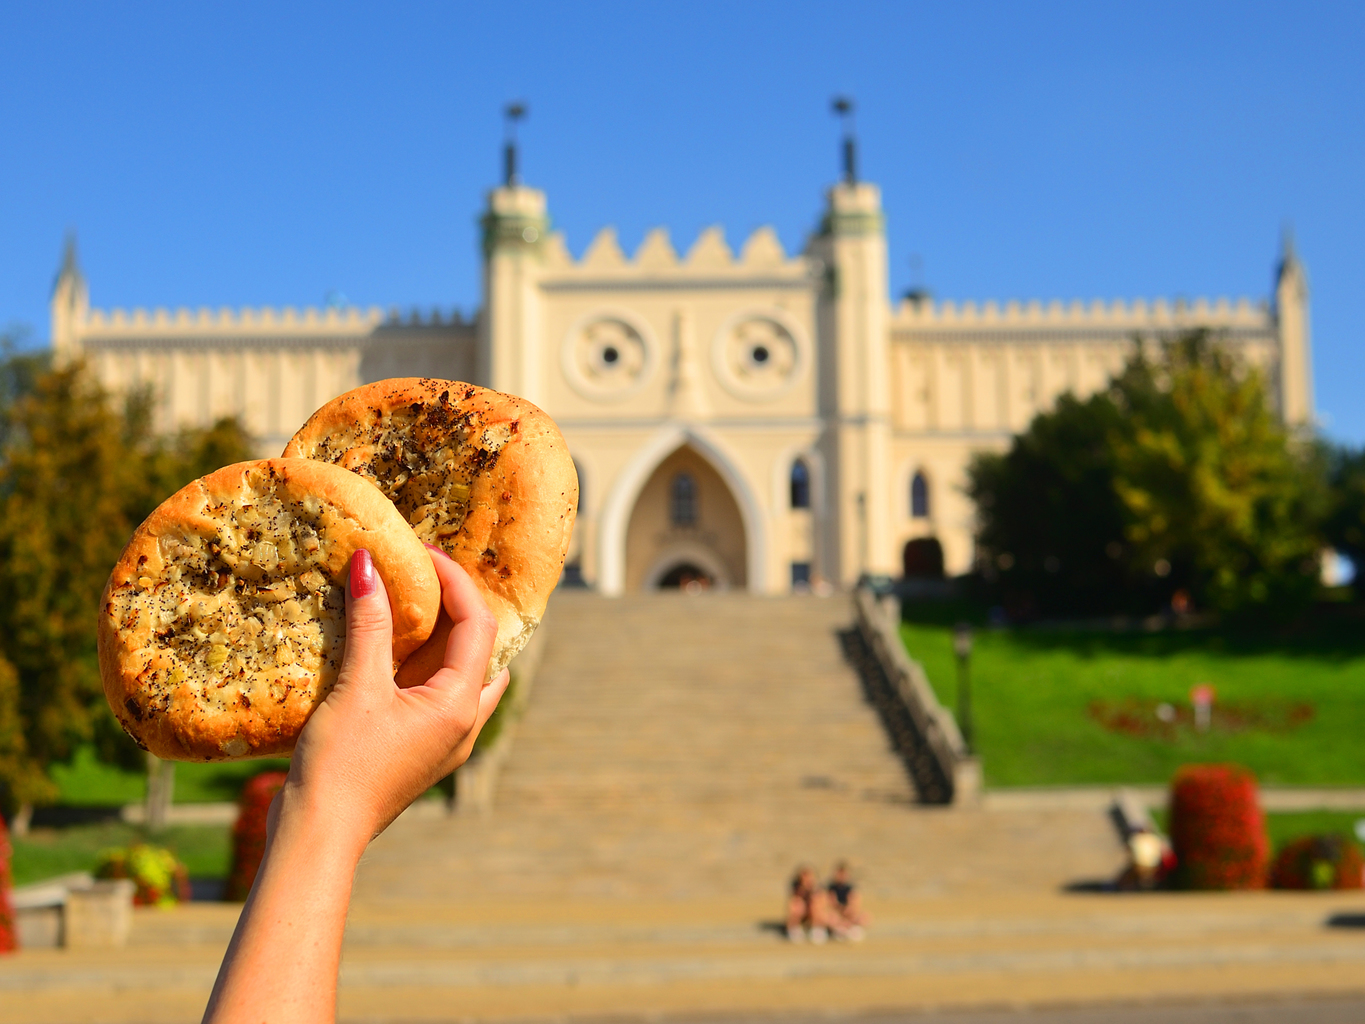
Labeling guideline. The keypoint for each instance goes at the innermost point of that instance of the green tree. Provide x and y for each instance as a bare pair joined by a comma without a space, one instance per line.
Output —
1221,499
1346,522
1050,522
1180,477
16,768
78,472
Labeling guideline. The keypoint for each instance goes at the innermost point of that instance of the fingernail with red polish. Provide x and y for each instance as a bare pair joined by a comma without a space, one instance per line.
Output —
433,547
363,582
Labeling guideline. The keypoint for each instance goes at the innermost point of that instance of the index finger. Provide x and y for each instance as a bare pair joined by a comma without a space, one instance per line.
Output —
473,627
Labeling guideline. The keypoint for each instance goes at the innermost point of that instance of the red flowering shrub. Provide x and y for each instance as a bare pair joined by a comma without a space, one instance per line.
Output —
1217,828
1319,862
9,940
248,835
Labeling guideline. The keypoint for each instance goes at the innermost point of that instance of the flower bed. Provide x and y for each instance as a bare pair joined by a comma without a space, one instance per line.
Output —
248,834
1217,828
1171,722
1319,862
161,880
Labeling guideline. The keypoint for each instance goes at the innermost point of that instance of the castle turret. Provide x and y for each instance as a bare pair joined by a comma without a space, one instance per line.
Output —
514,229
70,304
1296,358
855,378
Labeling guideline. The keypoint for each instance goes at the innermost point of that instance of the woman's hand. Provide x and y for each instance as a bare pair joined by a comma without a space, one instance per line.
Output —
366,753
372,748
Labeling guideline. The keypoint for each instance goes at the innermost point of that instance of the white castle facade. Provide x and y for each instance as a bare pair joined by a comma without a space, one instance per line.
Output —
757,420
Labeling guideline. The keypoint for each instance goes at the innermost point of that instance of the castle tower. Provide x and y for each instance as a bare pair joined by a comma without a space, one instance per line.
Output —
855,375
514,229
1296,358
70,304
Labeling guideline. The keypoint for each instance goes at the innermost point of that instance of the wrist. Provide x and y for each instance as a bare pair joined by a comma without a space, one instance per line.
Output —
332,833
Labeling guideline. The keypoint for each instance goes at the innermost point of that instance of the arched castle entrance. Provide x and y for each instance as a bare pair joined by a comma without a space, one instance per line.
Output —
685,529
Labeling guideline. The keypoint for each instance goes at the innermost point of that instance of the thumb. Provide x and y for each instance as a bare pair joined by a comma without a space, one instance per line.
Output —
369,623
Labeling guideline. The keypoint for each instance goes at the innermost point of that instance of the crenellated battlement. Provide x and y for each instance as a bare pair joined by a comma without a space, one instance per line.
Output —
709,254
1118,314
736,360
264,320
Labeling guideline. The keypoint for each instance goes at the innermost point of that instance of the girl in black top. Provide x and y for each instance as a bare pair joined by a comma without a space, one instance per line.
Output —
845,906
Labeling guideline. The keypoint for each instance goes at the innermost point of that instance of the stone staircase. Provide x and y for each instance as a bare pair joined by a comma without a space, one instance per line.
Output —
696,701
683,747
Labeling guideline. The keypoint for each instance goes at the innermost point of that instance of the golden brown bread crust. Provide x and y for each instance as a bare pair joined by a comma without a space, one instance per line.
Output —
482,475
223,623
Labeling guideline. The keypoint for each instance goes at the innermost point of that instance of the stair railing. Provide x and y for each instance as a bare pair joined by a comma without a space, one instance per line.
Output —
878,621
476,781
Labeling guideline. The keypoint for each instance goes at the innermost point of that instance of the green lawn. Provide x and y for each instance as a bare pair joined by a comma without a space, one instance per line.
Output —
45,852
1057,708
1283,826
86,782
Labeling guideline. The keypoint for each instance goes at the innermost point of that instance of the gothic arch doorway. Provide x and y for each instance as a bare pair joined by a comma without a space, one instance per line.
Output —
685,528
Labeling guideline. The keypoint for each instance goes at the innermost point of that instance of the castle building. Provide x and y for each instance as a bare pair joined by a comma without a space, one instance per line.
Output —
759,421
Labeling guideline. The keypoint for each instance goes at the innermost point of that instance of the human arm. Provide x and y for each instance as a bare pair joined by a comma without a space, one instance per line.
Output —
366,753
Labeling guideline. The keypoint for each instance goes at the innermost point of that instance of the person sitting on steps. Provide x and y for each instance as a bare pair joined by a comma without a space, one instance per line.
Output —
807,908
845,905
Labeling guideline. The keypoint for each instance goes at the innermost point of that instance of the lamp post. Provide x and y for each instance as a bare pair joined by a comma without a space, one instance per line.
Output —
962,647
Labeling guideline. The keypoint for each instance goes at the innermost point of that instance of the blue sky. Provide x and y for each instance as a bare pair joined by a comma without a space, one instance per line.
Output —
253,154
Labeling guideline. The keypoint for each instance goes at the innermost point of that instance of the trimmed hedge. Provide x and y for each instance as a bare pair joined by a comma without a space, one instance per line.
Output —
1217,828
9,939
1319,862
248,834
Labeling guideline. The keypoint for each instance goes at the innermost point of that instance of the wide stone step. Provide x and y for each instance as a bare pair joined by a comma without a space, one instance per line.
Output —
720,699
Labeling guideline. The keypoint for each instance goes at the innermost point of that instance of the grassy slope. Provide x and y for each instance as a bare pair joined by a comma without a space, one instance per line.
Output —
86,782
1032,688
205,850
1282,826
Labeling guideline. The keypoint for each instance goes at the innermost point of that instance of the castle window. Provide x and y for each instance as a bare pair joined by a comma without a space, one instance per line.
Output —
800,484
919,497
682,503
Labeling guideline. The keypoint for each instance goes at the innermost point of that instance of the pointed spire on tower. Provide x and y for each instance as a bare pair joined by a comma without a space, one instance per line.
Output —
70,302
71,267
1289,254
1291,277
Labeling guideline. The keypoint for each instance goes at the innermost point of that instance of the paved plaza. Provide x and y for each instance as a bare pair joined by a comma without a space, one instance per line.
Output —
677,758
